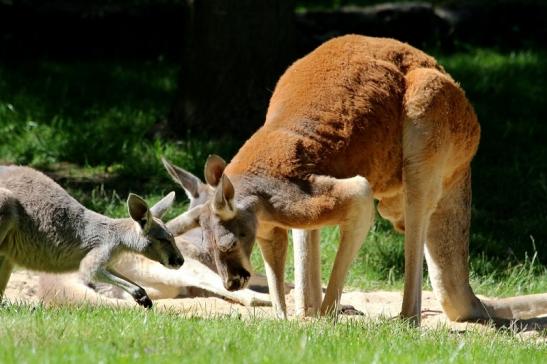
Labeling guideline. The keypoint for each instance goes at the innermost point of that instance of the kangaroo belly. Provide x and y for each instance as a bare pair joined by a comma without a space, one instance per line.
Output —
40,254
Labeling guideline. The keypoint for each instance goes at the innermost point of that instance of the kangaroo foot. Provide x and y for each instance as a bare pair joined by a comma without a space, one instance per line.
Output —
349,310
142,299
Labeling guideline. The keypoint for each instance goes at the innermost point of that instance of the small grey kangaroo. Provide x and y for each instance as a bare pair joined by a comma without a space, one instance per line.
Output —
45,229
198,276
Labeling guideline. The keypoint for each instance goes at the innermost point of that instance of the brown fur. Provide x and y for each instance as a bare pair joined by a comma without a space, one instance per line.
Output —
318,127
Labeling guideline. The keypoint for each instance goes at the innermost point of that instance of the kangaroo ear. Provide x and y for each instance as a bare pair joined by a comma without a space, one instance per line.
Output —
223,202
163,205
213,169
187,180
138,209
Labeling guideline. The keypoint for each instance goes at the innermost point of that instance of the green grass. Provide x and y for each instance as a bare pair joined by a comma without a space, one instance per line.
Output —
37,335
93,114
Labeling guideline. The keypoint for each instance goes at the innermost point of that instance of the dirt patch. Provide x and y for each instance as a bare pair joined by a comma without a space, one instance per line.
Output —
23,287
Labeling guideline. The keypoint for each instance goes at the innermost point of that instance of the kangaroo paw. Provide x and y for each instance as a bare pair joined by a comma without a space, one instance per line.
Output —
258,302
349,310
142,299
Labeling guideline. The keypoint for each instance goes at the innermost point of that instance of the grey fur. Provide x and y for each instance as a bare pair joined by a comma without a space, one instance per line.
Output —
43,228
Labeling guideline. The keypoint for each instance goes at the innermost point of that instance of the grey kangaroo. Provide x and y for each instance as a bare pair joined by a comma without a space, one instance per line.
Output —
44,229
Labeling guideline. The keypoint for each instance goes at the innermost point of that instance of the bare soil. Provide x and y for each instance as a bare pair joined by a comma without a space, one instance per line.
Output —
23,287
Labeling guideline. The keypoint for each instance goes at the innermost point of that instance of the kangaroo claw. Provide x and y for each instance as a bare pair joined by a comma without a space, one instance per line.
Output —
144,301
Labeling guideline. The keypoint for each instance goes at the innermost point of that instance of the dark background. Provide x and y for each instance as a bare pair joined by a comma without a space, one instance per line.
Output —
233,51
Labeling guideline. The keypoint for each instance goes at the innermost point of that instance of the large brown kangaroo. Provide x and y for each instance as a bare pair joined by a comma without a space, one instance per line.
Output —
356,119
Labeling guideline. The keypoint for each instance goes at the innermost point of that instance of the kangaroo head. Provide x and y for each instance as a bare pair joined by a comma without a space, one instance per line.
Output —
226,233
191,243
155,241
228,230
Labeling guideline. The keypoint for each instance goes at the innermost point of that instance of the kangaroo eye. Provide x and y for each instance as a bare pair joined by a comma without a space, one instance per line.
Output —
242,235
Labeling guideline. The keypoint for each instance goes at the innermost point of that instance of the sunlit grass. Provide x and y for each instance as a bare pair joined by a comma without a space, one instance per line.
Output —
85,335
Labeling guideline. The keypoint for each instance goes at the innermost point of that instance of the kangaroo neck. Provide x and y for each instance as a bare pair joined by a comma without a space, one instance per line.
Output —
246,196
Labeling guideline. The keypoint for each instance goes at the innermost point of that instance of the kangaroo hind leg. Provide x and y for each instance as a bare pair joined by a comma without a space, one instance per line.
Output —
422,187
447,252
440,137
426,147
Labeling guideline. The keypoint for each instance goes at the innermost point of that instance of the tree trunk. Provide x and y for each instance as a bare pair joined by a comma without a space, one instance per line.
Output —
234,51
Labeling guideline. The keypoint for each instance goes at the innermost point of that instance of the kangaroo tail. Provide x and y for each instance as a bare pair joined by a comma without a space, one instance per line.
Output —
519,307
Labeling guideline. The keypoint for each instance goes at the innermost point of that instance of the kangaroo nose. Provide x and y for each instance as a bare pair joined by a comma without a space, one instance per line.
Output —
176,262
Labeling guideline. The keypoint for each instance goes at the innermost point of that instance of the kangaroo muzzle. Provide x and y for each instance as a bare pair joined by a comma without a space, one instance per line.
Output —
175,262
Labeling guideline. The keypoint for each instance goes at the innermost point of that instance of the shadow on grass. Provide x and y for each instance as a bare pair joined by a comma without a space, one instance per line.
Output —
510,169
97,116
80,112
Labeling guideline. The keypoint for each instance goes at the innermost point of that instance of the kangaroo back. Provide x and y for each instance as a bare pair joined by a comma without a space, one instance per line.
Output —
338,112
